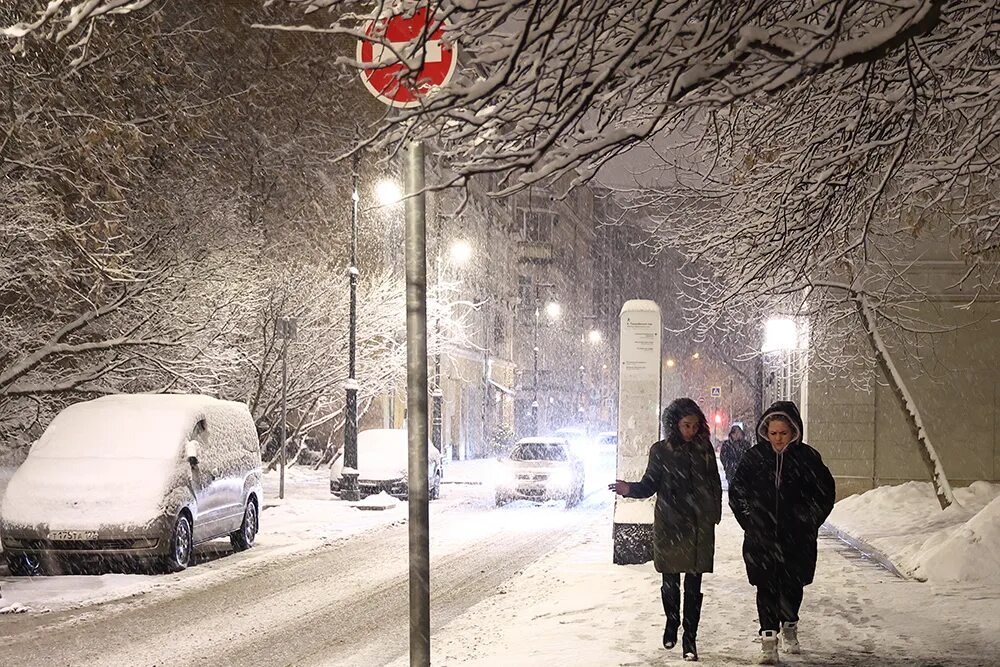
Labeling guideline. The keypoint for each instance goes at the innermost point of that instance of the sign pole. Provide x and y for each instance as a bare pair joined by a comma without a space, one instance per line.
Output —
284,413
391,82
416,403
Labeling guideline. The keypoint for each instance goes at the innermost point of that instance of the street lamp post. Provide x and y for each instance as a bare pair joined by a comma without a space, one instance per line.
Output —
534,382
349,479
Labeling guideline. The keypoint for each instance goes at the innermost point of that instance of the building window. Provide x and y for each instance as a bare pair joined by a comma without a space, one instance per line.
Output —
499,331
526,299
536,225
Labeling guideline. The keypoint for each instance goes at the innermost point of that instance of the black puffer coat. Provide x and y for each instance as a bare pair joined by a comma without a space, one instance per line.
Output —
685,479
781,500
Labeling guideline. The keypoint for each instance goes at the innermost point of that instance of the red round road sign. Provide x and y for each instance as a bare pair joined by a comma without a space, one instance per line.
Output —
439,58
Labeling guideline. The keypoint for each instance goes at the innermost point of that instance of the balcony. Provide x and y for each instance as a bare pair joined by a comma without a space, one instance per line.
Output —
534,251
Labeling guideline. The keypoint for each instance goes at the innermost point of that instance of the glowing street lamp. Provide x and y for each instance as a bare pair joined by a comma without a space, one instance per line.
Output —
461,252
388,193
780,334
553,309
595,337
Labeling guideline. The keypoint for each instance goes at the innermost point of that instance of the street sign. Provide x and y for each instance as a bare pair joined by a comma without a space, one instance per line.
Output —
639,390
400,40
716,392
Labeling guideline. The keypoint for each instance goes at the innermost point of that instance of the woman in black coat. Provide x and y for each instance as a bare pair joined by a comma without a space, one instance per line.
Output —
685,478
781,494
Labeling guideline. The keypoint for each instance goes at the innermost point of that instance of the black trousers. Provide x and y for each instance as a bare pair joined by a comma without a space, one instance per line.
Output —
692,584
778,601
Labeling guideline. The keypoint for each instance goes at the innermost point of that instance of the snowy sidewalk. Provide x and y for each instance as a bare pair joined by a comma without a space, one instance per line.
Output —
576,608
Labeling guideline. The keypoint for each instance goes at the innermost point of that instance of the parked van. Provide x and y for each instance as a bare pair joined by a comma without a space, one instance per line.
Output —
144,476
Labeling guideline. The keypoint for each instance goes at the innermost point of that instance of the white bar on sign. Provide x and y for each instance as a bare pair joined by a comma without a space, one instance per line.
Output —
387,54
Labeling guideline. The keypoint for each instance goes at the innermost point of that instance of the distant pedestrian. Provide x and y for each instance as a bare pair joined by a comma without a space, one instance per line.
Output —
781,494
683,474
732,450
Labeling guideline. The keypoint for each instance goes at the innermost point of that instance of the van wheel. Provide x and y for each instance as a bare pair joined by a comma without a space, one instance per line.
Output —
181,545
243,538
25,565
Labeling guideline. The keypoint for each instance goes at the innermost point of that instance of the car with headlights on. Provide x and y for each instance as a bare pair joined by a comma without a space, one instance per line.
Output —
539,469
383,462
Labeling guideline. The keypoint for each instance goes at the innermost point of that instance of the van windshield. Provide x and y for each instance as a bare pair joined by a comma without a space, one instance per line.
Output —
113,431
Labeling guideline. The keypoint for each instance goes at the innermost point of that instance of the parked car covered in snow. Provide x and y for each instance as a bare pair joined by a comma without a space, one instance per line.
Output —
137,476
543,468
383,463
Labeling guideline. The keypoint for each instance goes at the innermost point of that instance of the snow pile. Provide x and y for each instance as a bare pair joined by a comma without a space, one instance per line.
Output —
15,608
380,501
906,523
970,552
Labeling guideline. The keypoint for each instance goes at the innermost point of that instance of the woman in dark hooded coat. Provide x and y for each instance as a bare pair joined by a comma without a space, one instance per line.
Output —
781,494
685,478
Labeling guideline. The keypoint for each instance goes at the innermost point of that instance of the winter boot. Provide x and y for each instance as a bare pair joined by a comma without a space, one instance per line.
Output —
768,648
671,597
692,614
790,638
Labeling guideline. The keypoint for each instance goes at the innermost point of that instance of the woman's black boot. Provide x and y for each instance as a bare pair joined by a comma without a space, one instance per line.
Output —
671,597
692,614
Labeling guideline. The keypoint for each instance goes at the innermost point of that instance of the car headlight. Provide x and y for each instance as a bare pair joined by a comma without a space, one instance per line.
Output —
561,478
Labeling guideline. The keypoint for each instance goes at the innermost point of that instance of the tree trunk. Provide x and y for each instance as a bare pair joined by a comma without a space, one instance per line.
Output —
942,488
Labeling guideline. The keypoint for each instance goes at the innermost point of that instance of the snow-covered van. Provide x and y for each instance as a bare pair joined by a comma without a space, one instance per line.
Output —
145,476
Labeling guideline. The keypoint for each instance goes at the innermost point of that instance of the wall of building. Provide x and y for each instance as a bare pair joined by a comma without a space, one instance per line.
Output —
954,378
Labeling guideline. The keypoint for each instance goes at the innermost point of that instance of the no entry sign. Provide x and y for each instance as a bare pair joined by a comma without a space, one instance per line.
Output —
401,38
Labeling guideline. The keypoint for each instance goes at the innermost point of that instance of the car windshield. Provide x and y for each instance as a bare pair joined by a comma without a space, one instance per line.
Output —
539,451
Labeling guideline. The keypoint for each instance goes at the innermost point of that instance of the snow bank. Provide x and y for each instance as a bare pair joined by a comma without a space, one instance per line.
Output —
905,522
970,552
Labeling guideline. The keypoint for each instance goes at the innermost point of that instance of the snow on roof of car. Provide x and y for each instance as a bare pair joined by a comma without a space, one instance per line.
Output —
107,427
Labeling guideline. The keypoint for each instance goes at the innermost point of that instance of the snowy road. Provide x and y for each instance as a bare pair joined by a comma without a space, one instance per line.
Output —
342,604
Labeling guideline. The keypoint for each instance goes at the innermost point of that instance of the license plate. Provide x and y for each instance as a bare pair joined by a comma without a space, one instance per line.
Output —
78,535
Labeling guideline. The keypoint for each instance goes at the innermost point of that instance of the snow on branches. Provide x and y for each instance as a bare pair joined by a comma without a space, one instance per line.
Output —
550,86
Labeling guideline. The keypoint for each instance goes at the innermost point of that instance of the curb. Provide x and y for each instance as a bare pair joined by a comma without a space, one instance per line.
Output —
866,549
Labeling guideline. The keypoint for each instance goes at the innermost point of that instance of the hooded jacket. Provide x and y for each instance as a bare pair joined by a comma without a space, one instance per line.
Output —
685,479
732,451
781,500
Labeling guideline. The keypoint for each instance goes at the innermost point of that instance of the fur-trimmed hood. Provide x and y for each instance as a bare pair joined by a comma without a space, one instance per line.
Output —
675,412
787,409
